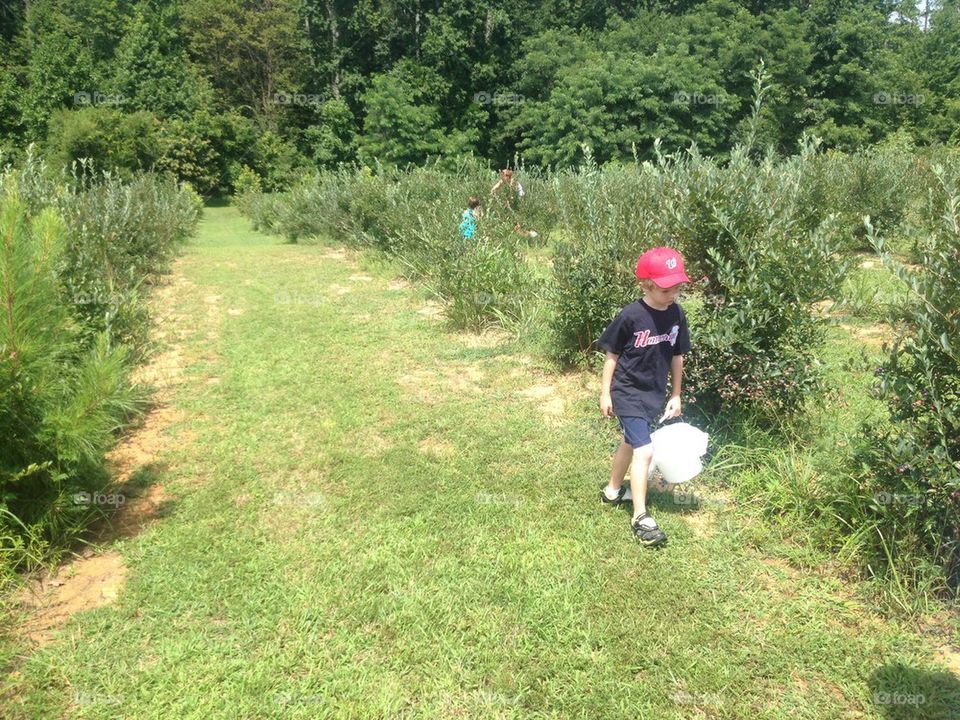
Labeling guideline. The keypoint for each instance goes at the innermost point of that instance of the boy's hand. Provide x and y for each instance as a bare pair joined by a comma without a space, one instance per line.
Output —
606,405
673,408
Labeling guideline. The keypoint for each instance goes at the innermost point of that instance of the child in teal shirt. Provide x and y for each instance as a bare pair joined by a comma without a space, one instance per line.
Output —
468,226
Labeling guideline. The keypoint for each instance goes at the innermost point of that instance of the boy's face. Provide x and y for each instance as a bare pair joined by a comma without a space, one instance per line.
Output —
664,297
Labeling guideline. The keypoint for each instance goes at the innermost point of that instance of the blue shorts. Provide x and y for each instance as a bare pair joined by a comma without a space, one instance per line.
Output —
636,430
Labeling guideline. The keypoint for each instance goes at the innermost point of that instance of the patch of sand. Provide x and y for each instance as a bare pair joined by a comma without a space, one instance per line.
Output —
431,309
398,284
436,448
84,584
489,338
141,447
94,580
949,655
433,386
874,335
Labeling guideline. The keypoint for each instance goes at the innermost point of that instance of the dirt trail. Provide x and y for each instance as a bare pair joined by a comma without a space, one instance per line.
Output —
96,577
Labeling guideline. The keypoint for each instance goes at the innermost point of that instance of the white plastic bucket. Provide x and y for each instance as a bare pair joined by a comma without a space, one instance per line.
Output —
677,450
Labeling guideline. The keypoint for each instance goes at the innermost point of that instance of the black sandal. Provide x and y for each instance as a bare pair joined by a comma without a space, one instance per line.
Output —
646,536
618,499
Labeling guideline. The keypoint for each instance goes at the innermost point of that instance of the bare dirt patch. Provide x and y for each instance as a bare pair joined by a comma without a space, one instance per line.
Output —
701,523
874,335
825,308
431,309
93,580
949,655
84,584
436,448
398,284
539,392
487,339
360,277
459,380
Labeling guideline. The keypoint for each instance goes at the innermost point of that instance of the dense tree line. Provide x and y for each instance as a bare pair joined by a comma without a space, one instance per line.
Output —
207,88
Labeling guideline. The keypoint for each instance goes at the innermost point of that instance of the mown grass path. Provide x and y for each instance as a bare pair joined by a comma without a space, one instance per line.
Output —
374,517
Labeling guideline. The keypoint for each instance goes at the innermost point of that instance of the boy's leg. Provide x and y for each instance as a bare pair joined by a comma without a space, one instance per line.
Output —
614,492
639,467
621,463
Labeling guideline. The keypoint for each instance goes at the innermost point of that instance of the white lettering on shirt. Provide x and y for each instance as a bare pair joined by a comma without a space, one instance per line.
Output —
645,339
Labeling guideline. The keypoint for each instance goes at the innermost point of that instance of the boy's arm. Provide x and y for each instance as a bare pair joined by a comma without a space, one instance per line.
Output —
606,403
676,381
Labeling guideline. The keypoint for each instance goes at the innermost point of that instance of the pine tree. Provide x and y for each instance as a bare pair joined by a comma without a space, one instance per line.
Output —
60,405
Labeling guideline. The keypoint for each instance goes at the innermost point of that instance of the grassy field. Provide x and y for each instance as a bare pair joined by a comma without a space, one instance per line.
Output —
370,516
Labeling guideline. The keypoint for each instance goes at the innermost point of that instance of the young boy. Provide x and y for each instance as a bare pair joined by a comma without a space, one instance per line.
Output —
468,225
646,340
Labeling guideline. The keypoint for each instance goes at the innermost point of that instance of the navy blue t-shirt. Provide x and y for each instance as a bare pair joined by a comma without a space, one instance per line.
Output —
646,341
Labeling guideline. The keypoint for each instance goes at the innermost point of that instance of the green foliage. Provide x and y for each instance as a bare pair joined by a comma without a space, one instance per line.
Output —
606,220
757,339
112,140
60,401
398,84
332,140
151,70
120,236
911,467
408,215
189,153
402,118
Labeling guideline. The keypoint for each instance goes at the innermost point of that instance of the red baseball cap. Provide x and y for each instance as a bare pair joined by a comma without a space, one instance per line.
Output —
663,265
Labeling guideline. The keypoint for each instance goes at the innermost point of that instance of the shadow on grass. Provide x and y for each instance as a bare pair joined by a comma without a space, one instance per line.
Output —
901,692
143,501
218,202
679,502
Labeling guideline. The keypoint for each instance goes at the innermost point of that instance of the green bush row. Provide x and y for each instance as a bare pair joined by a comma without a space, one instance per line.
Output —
74,259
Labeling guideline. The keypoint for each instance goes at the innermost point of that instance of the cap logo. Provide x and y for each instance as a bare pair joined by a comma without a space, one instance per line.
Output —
671,263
